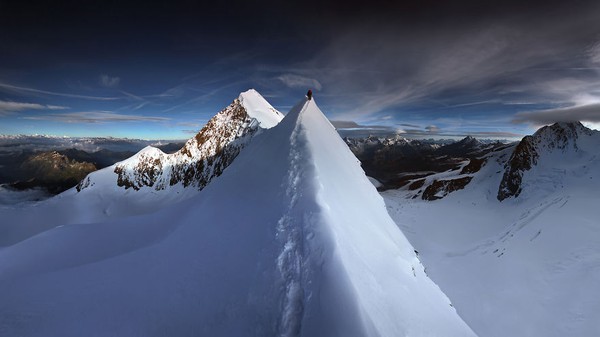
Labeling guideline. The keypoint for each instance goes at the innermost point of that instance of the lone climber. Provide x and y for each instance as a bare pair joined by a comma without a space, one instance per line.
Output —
309,94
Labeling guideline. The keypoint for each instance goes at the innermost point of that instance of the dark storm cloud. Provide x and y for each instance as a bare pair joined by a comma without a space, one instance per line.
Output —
586,113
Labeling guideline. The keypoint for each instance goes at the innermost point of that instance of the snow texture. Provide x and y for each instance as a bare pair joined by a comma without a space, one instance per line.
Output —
526,266
292,240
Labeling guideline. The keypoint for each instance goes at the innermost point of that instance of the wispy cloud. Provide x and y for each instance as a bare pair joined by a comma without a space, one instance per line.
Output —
298,81
372,67
96,117
10,107
6,87
190,124
109,81
585,113
344,124
206,95
354,130
432,129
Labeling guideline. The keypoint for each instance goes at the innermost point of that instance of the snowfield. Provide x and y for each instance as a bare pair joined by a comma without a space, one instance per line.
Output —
292,240
526,266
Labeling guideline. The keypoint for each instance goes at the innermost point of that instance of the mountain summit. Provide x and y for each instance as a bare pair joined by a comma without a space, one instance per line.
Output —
562,139
291,240
204,156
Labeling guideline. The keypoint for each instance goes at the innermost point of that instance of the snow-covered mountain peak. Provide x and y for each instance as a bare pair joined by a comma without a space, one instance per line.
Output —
560,135
470,141
258,108
557,144
204,156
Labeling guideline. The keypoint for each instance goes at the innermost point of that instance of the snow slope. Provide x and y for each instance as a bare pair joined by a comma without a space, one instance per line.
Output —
150,179
526,266
292,240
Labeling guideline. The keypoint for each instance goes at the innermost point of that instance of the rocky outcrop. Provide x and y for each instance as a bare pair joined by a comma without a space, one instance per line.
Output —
52,171
522,159
440,188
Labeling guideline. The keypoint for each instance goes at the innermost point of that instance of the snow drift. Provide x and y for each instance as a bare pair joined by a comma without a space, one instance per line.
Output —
292,240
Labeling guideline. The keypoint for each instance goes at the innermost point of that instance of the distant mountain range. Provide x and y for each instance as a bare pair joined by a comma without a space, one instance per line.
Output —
33,165
396,161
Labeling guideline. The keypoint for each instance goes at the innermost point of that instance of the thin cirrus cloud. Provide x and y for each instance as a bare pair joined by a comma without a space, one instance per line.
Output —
96,117
10,107
352,129
586,113
298,81
109,81
373,67
6,87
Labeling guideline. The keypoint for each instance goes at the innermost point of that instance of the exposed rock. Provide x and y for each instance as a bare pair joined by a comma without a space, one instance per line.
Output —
415,185
53,171
474,165
440,188
522,159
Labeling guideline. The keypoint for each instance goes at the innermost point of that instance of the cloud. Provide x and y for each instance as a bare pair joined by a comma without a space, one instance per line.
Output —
32,91
352,129
109,82
344,124
96,117
191,124
298,81
409,125
432,129
372,66
9,107
586,113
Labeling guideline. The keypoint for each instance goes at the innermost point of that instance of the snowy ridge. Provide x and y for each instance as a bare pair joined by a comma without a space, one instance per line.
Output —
308,251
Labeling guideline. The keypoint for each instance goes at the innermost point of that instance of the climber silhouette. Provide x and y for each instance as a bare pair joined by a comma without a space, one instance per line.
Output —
309,94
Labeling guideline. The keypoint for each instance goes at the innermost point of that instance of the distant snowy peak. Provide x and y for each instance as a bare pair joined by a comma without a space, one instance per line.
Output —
564,137
464,146
204,156
470,141
560,135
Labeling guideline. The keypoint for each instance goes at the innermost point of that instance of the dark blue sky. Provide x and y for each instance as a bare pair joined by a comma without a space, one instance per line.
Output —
161,69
